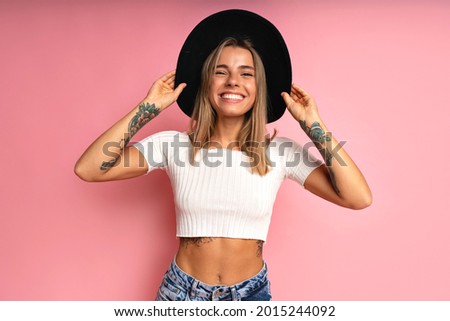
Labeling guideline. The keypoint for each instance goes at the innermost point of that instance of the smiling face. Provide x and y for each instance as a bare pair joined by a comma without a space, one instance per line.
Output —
232,89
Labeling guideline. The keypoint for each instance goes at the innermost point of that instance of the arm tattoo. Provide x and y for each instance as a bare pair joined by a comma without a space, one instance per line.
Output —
145,113
321,139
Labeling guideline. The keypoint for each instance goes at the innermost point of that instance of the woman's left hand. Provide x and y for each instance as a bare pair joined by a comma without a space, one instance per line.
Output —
301,105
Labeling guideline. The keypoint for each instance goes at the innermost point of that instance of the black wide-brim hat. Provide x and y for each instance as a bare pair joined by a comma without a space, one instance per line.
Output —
240,24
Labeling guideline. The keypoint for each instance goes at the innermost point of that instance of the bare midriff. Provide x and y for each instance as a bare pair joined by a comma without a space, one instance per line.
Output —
220,260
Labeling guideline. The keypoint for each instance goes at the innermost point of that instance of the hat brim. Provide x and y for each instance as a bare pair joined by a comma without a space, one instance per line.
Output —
240,24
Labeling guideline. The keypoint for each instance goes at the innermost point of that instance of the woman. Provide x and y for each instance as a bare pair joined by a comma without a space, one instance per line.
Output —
226,172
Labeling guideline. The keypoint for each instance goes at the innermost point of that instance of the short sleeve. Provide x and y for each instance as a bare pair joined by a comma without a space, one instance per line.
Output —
155,149
296,160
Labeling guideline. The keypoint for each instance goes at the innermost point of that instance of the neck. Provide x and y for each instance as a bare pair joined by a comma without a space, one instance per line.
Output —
227,131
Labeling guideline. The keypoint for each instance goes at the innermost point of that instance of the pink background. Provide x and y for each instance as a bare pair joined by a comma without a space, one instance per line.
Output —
70,69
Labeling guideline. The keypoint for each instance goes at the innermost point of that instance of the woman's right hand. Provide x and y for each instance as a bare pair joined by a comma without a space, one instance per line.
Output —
162,93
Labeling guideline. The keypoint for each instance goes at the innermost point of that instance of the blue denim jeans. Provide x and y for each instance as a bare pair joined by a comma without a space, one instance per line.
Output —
177,285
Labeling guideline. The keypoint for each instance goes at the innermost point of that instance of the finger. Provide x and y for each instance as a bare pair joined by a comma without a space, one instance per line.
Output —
295,95
167,76
179,89
300,90
171,82
287,98
295,90
170,79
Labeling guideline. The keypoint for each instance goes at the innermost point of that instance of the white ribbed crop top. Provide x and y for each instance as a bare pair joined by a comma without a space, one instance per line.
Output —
218,196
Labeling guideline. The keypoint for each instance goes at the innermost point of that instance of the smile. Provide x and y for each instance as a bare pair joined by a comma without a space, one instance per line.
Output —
232,96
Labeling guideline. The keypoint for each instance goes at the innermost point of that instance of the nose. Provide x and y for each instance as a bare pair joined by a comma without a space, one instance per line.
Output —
232,80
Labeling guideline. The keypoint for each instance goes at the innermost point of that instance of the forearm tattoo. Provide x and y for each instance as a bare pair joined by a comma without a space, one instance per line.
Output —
145,113
321,140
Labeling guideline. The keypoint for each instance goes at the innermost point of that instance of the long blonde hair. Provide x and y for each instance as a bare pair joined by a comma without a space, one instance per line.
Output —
252,137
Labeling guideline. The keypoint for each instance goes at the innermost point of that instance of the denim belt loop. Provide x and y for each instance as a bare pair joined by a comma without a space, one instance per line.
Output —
193,291
234,294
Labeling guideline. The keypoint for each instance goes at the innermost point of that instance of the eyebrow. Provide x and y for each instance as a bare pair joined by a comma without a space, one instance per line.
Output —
240,67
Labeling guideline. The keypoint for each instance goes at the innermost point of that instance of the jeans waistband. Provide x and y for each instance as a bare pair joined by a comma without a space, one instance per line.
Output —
198,288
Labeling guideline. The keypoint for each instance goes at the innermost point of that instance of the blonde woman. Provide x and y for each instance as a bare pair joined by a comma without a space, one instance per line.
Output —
226,170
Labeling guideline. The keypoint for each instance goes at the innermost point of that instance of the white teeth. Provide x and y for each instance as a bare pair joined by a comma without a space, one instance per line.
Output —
232,96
